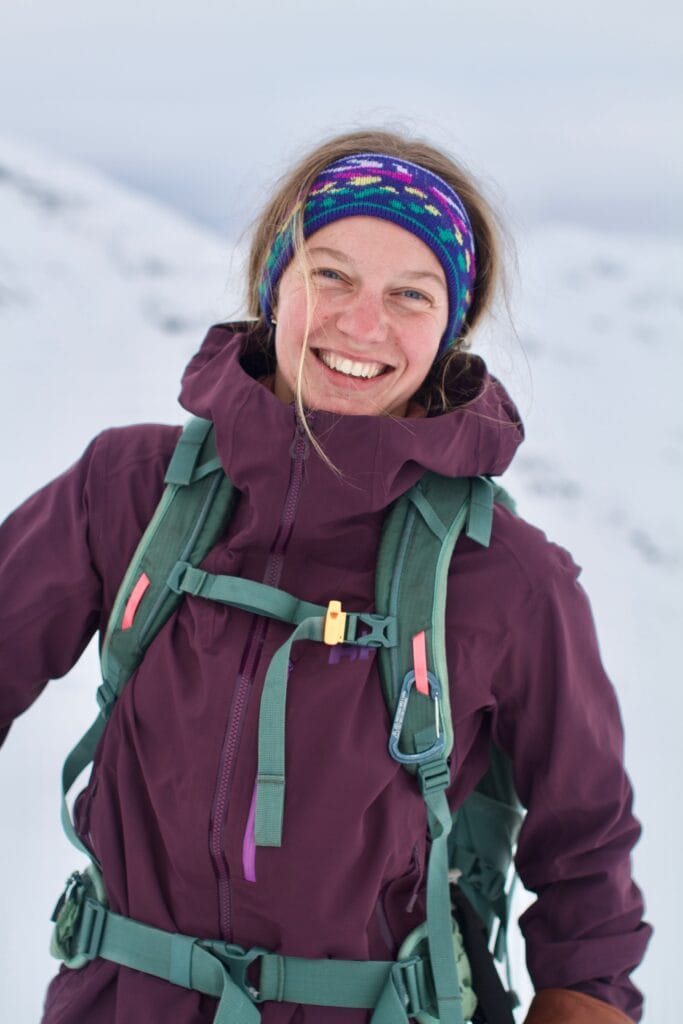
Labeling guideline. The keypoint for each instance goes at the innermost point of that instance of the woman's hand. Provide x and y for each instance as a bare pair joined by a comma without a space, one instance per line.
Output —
563,1006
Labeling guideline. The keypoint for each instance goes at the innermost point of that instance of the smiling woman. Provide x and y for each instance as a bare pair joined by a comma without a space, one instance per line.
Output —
401,181
336,665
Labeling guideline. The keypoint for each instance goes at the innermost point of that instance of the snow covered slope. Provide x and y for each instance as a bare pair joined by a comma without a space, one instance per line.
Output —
104,296
600,321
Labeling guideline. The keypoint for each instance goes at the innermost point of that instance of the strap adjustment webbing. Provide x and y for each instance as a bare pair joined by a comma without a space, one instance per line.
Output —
181,468
434,777
241,978
364,629
480,513
106,696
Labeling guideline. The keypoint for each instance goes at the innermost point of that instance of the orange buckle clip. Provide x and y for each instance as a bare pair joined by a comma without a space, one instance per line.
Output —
335,624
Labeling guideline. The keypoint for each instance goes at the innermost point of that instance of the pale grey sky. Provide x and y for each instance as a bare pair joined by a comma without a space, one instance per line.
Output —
570,110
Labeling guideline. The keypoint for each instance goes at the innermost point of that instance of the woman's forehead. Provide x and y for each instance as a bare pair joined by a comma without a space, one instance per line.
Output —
370,240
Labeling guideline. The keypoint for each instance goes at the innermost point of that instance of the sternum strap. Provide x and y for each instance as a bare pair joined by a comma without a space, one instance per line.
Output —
248,595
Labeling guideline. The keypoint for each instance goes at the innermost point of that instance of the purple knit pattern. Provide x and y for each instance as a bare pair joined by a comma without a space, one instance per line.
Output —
376,185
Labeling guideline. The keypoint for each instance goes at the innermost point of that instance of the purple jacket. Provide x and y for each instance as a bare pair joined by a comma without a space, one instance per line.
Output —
169,808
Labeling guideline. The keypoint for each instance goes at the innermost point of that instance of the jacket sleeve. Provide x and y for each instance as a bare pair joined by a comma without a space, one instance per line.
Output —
557,717
50,587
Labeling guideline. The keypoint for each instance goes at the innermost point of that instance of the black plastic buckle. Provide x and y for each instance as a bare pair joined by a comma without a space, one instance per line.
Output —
383,630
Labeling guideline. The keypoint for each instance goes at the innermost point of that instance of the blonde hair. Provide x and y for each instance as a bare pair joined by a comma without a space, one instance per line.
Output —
290,195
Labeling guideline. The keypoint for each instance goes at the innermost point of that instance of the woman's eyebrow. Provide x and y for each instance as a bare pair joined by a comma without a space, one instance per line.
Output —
337,254
324,250
415,274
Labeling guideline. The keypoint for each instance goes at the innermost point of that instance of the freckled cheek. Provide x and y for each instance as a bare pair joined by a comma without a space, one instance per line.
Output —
295,316
323,312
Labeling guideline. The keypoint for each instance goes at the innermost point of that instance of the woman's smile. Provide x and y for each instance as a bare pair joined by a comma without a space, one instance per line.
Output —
350,367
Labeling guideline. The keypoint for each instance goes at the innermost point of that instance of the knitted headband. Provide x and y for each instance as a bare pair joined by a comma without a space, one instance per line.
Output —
375,185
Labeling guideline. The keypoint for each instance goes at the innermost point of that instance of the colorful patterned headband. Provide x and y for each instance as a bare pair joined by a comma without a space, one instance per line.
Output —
375,185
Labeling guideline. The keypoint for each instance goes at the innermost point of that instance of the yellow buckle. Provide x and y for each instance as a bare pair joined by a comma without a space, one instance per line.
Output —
335,624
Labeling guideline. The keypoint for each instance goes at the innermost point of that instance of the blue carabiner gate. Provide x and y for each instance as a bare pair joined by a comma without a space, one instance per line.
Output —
401,709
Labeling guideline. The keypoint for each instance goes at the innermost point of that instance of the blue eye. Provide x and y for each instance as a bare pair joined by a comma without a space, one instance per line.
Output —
330,275
411,293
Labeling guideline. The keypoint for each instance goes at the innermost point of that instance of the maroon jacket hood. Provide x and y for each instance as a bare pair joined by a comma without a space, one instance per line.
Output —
383,455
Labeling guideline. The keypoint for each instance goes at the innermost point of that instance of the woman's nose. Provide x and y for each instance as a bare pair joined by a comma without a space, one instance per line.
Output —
364,317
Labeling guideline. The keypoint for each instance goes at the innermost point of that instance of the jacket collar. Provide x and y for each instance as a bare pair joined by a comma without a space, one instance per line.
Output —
378,456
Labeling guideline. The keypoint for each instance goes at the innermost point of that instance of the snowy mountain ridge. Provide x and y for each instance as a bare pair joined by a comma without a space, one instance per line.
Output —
104,295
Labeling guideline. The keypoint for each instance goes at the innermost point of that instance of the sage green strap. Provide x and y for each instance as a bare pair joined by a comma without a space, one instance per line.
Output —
179,959
355,984
246,594
219,969
270,781
480,514
392,1006
81,756
260,599
434,777
187,451
428,513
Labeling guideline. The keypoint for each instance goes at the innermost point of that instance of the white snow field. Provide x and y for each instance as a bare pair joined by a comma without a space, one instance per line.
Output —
104,295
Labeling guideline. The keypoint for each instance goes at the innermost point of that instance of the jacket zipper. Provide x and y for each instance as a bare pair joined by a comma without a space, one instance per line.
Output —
250,660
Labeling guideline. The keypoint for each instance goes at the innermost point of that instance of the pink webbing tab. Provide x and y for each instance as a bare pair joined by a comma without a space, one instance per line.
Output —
420,663
134,600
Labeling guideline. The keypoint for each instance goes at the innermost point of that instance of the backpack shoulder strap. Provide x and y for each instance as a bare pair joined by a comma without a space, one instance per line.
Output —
416,547
190,517
414,559
192,514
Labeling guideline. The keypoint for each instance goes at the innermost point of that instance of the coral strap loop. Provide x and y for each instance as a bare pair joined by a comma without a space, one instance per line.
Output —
420,663
134,600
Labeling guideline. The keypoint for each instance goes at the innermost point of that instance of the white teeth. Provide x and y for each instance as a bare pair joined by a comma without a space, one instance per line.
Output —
350,367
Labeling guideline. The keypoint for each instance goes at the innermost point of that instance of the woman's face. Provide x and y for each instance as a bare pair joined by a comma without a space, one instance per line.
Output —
380,307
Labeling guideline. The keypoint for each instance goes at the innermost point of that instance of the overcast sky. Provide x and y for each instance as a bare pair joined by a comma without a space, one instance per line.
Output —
568,110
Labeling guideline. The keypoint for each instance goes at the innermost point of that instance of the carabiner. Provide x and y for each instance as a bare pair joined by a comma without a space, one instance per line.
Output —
401,710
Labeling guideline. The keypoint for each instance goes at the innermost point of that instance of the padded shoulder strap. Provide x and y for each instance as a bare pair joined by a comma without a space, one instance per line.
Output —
192,514
417,544
189,519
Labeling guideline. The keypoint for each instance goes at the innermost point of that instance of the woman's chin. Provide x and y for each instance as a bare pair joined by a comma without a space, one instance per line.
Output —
325,390
333,392
352,406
